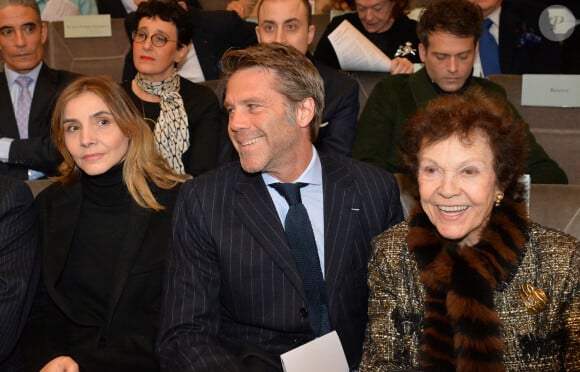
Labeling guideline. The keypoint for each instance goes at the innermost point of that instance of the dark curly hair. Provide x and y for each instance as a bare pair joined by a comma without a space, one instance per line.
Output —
168,11
471,113
457,17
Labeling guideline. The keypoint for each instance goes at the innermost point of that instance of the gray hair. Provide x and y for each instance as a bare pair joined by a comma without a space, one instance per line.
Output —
296,77
28,3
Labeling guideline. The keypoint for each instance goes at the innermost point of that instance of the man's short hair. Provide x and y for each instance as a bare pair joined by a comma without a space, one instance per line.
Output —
460,18
29,3
306,3
296,77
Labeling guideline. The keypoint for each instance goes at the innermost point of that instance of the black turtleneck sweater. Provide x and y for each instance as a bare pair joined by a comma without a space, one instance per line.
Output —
88,274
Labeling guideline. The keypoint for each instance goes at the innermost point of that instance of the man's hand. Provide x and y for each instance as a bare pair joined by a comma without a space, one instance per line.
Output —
61,364
401,65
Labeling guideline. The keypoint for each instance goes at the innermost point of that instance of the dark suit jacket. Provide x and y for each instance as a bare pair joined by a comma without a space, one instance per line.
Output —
113,7
214,32
19,269
125,342
37,152
396,98
522,48
234,294
570,46
205,118
340,114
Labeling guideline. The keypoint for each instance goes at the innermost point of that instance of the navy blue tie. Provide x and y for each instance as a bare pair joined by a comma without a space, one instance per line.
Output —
488,50
301,241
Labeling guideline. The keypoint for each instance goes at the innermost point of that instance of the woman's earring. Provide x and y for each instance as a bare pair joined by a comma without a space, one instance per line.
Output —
498,199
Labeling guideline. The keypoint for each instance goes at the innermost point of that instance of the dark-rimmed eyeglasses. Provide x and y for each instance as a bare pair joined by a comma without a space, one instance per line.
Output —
157,40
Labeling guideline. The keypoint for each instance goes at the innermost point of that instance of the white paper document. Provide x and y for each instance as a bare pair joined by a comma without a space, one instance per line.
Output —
322,354
55,10
355,52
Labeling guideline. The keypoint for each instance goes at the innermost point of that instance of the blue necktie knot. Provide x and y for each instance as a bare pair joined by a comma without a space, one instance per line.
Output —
488,50
487,23
290,191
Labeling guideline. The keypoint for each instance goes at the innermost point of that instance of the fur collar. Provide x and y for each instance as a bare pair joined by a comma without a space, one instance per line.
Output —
461,330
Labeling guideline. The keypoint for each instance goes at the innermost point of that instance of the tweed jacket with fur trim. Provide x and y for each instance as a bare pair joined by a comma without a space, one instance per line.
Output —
547,260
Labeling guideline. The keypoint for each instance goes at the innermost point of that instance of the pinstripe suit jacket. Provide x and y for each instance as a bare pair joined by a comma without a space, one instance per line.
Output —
233,294
19,269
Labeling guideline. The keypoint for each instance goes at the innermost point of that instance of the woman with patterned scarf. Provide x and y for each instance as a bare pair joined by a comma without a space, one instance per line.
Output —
468,282
185,117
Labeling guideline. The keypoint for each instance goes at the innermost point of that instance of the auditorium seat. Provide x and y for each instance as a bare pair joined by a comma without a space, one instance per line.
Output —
36,186
537,116
563,145
367,81
557,129
213,4
88,56
320,22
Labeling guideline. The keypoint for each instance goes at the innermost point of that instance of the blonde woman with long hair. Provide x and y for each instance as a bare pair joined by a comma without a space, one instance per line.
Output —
105,226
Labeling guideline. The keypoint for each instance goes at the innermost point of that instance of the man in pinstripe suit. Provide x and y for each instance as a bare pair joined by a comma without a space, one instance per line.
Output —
18,266
234,300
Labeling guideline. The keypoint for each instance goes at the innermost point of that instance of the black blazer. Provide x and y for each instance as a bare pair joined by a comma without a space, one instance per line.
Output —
126,341
38,151
340,114
113,7
20,268
233,291
522,48
214,32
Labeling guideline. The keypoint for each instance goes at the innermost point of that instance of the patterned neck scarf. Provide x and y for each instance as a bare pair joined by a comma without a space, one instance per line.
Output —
171,130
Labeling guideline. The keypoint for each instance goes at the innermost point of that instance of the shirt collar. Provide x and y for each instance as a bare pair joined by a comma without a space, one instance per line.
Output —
494,16
312,175
11,75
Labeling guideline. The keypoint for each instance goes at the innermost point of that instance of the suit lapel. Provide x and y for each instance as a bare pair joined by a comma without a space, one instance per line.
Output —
508,23
8,126
60,233
44,92
341,216
136,229
257,212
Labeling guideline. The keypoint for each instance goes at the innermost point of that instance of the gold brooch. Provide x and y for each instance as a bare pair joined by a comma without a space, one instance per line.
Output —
535,300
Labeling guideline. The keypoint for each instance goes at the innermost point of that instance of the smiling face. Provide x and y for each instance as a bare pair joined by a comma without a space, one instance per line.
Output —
457,186
22,36
157,63
286,22
375,15
448,59
91,134
260,127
